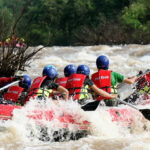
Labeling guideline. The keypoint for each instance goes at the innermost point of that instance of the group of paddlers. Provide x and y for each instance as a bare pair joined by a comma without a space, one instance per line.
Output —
77,84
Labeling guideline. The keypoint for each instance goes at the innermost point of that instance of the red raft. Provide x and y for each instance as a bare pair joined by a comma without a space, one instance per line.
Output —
64,122
145,102
6,112
124,115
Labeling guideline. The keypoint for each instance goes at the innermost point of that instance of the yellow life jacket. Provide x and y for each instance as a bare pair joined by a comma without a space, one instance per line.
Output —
44,92
114,90
84,93
146,90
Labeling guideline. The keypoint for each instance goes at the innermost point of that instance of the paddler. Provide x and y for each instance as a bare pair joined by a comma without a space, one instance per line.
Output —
143,86
43,87
16,94
68,70
107,80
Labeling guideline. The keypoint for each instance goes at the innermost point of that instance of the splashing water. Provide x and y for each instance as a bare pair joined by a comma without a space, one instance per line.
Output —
23,133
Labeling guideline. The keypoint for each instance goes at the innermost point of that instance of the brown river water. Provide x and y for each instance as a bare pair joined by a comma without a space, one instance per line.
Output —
105,134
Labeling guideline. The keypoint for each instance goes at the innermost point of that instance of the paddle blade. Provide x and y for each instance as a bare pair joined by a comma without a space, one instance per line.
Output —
146,113
91,106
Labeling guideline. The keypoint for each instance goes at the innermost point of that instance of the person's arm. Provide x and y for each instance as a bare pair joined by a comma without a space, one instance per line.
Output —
103,93
63,91
130,80
119,78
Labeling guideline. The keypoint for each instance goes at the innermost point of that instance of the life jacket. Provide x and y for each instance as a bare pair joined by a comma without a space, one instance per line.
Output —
13,93
148,78
35,89
143,84
75,86
102,79
62,81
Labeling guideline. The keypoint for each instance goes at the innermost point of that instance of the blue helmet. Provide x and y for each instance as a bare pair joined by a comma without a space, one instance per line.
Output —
47,66
102,62
50,71
26,83
83,69
69,70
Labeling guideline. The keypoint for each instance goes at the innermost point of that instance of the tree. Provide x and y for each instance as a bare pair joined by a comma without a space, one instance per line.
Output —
13,57
5,23
136,20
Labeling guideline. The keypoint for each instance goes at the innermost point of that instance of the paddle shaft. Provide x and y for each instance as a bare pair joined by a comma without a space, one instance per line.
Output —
5,87
127,104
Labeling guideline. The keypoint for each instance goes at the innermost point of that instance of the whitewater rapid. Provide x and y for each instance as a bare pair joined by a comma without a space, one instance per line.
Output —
106,135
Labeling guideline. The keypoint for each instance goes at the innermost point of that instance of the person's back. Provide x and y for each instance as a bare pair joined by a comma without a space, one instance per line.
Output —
75,86
68,70
102,79
62,81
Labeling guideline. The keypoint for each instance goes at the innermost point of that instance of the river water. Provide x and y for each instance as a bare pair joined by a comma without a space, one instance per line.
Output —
105,134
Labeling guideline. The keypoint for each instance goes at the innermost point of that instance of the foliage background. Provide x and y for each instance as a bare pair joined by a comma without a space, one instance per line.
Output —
76,22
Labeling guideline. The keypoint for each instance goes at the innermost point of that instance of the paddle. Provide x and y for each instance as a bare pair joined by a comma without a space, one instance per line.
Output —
91,106
145,112
8,85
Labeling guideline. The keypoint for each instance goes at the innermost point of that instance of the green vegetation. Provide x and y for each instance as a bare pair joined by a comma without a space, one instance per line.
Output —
76,22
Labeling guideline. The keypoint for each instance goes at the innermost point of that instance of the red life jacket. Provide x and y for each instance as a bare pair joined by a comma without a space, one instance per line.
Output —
142,82
13,93
102,79
62,81
74,85
5,80
34,87
148,78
